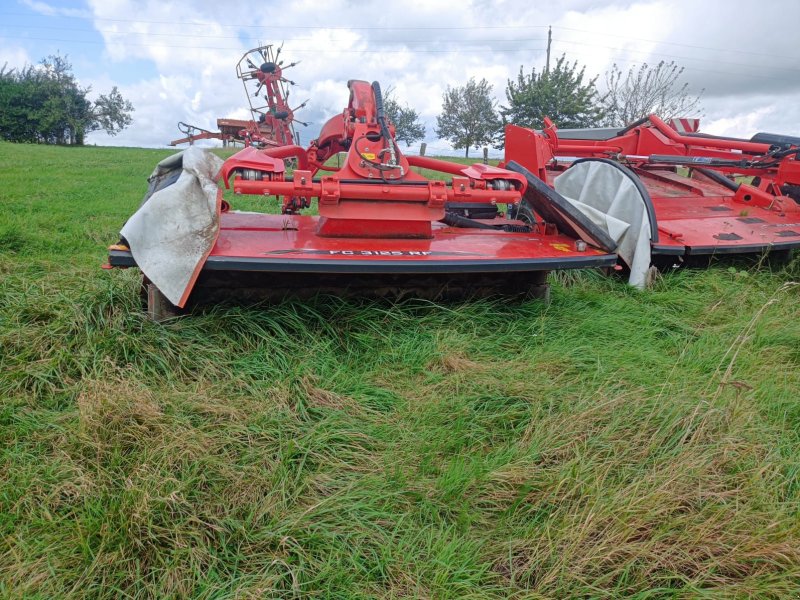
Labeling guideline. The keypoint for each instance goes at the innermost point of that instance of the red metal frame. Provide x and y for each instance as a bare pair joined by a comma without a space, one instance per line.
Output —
380,222
643,144
378,217
698,214
374,193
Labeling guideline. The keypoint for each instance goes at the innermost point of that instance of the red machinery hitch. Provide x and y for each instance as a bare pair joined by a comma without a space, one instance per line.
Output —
375,193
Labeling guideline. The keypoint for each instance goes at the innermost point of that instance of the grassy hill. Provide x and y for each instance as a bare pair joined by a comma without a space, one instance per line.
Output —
615,443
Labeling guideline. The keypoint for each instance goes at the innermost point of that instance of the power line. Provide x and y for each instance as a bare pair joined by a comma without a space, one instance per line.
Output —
282,26
239,48
690,68
724,62
627,37
306,39
406,51
477,44
385,28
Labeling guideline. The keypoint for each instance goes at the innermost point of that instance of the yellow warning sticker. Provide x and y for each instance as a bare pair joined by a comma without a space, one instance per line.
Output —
368,155
562,247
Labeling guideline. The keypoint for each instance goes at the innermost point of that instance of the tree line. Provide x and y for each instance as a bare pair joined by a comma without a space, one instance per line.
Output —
44,103
471,117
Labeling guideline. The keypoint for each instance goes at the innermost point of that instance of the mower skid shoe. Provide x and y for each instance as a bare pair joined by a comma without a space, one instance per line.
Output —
159,309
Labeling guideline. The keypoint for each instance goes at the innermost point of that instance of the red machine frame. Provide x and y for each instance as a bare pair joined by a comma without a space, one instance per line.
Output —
374,193
382,223
706,211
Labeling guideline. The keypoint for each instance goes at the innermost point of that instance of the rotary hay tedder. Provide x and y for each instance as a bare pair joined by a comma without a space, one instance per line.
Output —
272,122
572,199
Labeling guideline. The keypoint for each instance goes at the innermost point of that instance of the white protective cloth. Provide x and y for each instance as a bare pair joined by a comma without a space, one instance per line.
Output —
172,233
607,196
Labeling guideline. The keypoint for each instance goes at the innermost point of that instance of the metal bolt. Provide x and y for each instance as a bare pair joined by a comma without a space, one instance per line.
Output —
302,180
580,246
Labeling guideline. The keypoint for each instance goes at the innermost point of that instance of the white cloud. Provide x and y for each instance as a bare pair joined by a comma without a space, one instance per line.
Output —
194,47
43,8
738,124
15,57
743,116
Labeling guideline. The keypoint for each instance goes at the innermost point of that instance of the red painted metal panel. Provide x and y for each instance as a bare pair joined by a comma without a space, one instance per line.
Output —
295,238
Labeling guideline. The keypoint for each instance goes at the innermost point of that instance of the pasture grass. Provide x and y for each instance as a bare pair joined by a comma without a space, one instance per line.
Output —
613,443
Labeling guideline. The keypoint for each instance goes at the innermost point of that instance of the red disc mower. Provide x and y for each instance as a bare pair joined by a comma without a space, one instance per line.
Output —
632,199
382,228
701,195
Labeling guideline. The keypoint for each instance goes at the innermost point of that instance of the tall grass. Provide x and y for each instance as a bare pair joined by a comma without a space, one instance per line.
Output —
611,444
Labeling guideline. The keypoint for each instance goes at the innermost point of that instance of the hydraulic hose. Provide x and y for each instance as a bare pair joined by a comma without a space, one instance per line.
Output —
454,220
380,111
381,118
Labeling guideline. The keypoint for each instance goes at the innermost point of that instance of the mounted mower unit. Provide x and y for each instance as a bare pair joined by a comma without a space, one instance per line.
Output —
670,197
382,228
272,122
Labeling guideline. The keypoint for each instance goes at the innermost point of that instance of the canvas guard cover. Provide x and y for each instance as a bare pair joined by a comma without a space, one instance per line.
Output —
608,196
175,228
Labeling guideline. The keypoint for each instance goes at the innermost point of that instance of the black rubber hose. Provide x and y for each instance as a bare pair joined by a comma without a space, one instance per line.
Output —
381,113
454,220
376,90
719,178
633,125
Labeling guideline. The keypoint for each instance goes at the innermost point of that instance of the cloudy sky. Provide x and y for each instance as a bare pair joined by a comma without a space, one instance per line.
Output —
175,60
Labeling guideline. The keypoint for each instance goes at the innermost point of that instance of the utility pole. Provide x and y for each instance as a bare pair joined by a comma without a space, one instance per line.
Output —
549,41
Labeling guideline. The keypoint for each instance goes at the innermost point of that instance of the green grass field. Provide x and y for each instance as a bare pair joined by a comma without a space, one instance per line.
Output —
615,443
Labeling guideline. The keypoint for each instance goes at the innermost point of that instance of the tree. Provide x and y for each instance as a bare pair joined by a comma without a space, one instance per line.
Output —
469,116
66,109
20,104
559,93
647,90
111,113
45,104
408,127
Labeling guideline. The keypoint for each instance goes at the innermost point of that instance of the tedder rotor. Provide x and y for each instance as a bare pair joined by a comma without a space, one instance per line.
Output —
261,72
381,228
